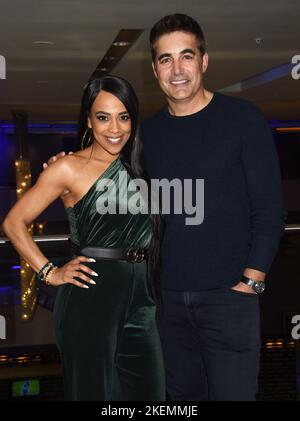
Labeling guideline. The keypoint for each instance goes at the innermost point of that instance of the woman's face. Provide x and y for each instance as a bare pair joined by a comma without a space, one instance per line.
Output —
110,122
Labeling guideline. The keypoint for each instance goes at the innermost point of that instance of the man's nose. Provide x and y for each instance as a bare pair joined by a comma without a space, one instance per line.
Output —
177,67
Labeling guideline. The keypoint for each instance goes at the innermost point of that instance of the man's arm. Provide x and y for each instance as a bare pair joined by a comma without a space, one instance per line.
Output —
262,173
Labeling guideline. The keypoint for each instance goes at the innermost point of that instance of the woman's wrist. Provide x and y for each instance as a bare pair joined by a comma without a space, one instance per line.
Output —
50,274
45,270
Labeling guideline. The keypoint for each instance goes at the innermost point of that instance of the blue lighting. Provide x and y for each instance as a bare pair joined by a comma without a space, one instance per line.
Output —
64,127
43,126
274,124
10,295
260,79
16,267
6,290
71,127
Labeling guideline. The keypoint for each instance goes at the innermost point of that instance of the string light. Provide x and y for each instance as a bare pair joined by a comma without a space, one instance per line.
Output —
28,296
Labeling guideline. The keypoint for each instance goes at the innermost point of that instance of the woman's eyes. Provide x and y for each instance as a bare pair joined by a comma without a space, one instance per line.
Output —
102,117
124,117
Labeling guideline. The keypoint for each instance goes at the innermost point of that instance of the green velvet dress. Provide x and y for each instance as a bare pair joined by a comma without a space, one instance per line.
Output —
107,334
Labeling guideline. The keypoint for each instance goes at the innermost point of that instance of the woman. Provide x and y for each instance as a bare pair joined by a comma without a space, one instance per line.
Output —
105,326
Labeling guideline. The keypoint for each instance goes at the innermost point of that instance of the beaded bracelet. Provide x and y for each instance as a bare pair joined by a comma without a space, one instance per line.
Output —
45,270
50,274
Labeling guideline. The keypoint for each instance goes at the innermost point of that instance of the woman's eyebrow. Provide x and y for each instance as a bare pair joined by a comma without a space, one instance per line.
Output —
108,114
101,112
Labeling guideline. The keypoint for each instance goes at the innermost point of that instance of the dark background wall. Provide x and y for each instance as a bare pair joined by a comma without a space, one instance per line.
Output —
40,148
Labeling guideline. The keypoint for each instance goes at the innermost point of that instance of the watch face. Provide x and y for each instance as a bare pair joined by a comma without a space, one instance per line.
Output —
259,287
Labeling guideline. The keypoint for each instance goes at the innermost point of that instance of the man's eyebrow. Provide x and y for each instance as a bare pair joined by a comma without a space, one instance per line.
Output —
185,51
163,56
188,50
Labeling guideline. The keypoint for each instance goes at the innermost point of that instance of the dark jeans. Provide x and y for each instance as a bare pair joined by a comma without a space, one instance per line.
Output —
211,344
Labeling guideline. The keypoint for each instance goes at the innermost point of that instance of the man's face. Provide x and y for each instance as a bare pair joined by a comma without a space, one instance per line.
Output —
179,66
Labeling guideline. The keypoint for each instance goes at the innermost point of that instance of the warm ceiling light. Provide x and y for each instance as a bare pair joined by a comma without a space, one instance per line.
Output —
121,43
287,129
43,43
125,39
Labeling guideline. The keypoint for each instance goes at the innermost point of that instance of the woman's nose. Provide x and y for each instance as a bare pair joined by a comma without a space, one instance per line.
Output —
114,125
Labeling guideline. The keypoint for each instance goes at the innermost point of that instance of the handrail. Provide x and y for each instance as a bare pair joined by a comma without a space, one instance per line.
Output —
41,238
65,237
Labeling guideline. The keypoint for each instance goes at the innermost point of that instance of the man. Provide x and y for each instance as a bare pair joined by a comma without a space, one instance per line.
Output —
210,325
211,273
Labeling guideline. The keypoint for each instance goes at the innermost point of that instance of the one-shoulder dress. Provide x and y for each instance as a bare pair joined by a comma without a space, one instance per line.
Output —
107,334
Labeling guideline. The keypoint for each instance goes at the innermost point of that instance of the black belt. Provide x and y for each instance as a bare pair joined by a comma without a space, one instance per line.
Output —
132,255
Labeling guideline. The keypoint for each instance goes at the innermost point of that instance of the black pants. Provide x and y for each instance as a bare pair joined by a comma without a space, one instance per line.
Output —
211,344
108,338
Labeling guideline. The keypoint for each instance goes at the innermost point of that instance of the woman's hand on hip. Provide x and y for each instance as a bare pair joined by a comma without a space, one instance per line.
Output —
74,269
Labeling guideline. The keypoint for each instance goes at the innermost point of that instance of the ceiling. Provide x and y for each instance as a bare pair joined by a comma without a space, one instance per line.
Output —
46,80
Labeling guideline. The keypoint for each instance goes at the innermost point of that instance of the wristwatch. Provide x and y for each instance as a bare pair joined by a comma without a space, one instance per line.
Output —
257,286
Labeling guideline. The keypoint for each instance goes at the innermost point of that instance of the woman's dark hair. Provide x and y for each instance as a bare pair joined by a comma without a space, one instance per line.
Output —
173,23
131,156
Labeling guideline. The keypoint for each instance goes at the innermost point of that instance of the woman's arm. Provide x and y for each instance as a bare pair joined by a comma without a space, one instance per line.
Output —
49,186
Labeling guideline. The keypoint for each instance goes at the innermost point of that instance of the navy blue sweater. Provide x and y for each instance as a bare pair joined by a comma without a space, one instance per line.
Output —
230,146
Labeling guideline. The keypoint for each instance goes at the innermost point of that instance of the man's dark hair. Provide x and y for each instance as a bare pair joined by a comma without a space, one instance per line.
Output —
173,23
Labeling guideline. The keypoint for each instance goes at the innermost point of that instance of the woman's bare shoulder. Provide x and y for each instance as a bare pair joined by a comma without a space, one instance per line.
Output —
68,165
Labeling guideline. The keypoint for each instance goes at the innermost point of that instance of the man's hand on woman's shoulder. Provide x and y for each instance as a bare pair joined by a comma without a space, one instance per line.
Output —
55,158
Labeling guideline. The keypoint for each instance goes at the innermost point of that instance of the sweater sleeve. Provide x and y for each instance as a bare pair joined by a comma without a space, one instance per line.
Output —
264,185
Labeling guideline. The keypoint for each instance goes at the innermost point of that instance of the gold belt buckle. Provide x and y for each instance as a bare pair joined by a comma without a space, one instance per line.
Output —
135,255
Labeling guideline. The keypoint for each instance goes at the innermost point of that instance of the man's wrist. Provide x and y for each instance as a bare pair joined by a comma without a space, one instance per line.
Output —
254,274
257,286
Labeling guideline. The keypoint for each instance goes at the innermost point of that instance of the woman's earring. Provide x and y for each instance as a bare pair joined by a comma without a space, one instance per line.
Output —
89,139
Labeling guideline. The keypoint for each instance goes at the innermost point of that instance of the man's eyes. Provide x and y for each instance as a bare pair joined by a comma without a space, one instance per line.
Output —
188,57
165,60
168,60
